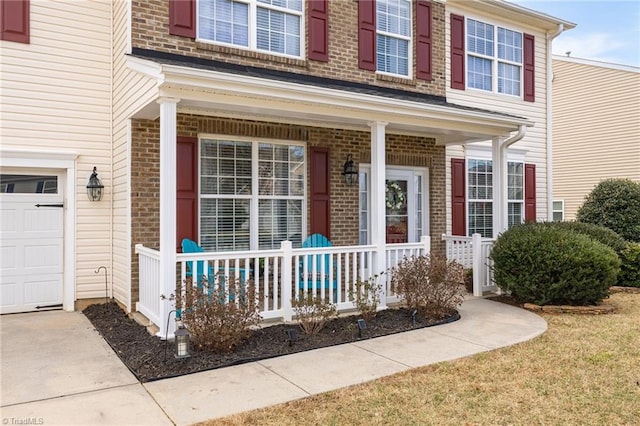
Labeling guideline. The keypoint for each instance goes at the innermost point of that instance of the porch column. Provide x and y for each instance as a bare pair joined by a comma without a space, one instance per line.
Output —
168,135
500,182
378,216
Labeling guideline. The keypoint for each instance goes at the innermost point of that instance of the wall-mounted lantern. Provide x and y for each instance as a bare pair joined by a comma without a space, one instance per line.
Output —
350,172
95,188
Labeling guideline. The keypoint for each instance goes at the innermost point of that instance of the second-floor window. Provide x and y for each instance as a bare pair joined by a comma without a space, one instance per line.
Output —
273,26
494,58
393,38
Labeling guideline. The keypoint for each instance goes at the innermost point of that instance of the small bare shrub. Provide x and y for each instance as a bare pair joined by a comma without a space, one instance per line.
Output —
430,284
219,318
313,312
366,296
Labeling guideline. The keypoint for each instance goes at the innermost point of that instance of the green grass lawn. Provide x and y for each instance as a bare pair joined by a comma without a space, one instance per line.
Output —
585,370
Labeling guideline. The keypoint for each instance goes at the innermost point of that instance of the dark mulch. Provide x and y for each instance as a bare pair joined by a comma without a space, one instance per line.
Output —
151,358
507,299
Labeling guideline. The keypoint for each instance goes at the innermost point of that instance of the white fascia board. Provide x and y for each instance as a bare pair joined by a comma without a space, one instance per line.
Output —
514,12
143,66
253,86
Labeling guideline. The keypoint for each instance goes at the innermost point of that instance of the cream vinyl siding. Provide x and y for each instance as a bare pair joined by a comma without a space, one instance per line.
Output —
56,94
534,143
596,127
130,92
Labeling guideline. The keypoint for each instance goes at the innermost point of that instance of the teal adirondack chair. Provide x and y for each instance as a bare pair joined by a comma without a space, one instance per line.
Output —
317,240
189,246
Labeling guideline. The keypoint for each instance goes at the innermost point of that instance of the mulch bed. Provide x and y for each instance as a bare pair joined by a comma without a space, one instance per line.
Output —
151,358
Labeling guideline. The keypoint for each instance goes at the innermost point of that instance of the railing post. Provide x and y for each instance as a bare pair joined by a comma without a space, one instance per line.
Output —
425,240
287,275
476,262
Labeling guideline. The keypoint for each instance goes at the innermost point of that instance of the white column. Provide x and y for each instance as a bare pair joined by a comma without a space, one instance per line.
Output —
378,215
499,162
168,135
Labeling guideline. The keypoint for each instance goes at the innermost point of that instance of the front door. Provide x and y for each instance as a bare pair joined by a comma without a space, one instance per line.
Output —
405,205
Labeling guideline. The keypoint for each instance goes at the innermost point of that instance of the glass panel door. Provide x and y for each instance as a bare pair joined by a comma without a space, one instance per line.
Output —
397,210
406,205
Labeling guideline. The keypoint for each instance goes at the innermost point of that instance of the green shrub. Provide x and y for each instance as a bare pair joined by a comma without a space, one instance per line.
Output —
430,284
629,275
215,324
313,312
545,264
614,203
599,233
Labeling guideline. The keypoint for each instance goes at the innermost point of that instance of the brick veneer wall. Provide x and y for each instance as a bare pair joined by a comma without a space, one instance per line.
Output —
150,30
401,151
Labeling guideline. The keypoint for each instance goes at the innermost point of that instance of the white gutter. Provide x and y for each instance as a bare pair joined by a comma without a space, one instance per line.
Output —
515,138
550,38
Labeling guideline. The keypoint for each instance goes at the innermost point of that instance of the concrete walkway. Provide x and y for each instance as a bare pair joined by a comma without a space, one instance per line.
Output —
56,369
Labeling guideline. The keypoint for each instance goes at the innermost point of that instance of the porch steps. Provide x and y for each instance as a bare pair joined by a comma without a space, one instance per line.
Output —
145,322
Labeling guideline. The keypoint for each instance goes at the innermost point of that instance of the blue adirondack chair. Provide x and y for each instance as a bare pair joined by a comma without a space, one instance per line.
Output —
317,240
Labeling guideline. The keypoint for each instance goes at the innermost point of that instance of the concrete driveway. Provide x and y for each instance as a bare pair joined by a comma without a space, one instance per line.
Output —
56,369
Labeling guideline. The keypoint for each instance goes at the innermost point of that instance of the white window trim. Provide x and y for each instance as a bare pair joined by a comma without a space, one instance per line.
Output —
494,59
252,31
553,210
410,38
254,218
483,152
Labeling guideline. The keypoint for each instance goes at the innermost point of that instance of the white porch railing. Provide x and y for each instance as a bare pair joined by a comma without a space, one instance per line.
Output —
149,287
473,252
278,275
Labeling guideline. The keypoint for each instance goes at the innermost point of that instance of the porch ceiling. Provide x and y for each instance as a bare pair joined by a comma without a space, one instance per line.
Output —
229,94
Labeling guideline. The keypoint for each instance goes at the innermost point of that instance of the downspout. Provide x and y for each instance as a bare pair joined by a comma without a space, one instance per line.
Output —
515,138
502,221
550,38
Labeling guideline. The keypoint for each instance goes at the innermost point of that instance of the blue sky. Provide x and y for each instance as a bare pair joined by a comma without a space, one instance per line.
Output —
607,30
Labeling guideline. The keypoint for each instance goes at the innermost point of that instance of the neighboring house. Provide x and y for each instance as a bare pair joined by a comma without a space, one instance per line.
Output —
232,122
596,128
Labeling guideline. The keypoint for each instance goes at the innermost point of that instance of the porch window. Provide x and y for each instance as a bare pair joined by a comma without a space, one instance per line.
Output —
251,194
273,26
494,66
393,39
480,195
515,193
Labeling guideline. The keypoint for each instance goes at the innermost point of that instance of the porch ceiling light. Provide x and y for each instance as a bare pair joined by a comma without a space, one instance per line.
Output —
95,188
350,172
182,342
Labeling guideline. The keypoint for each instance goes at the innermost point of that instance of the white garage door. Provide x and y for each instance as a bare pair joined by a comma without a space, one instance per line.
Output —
31,250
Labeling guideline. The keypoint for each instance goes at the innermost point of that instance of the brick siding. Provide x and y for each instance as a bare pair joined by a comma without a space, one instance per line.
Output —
150,30
401,151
